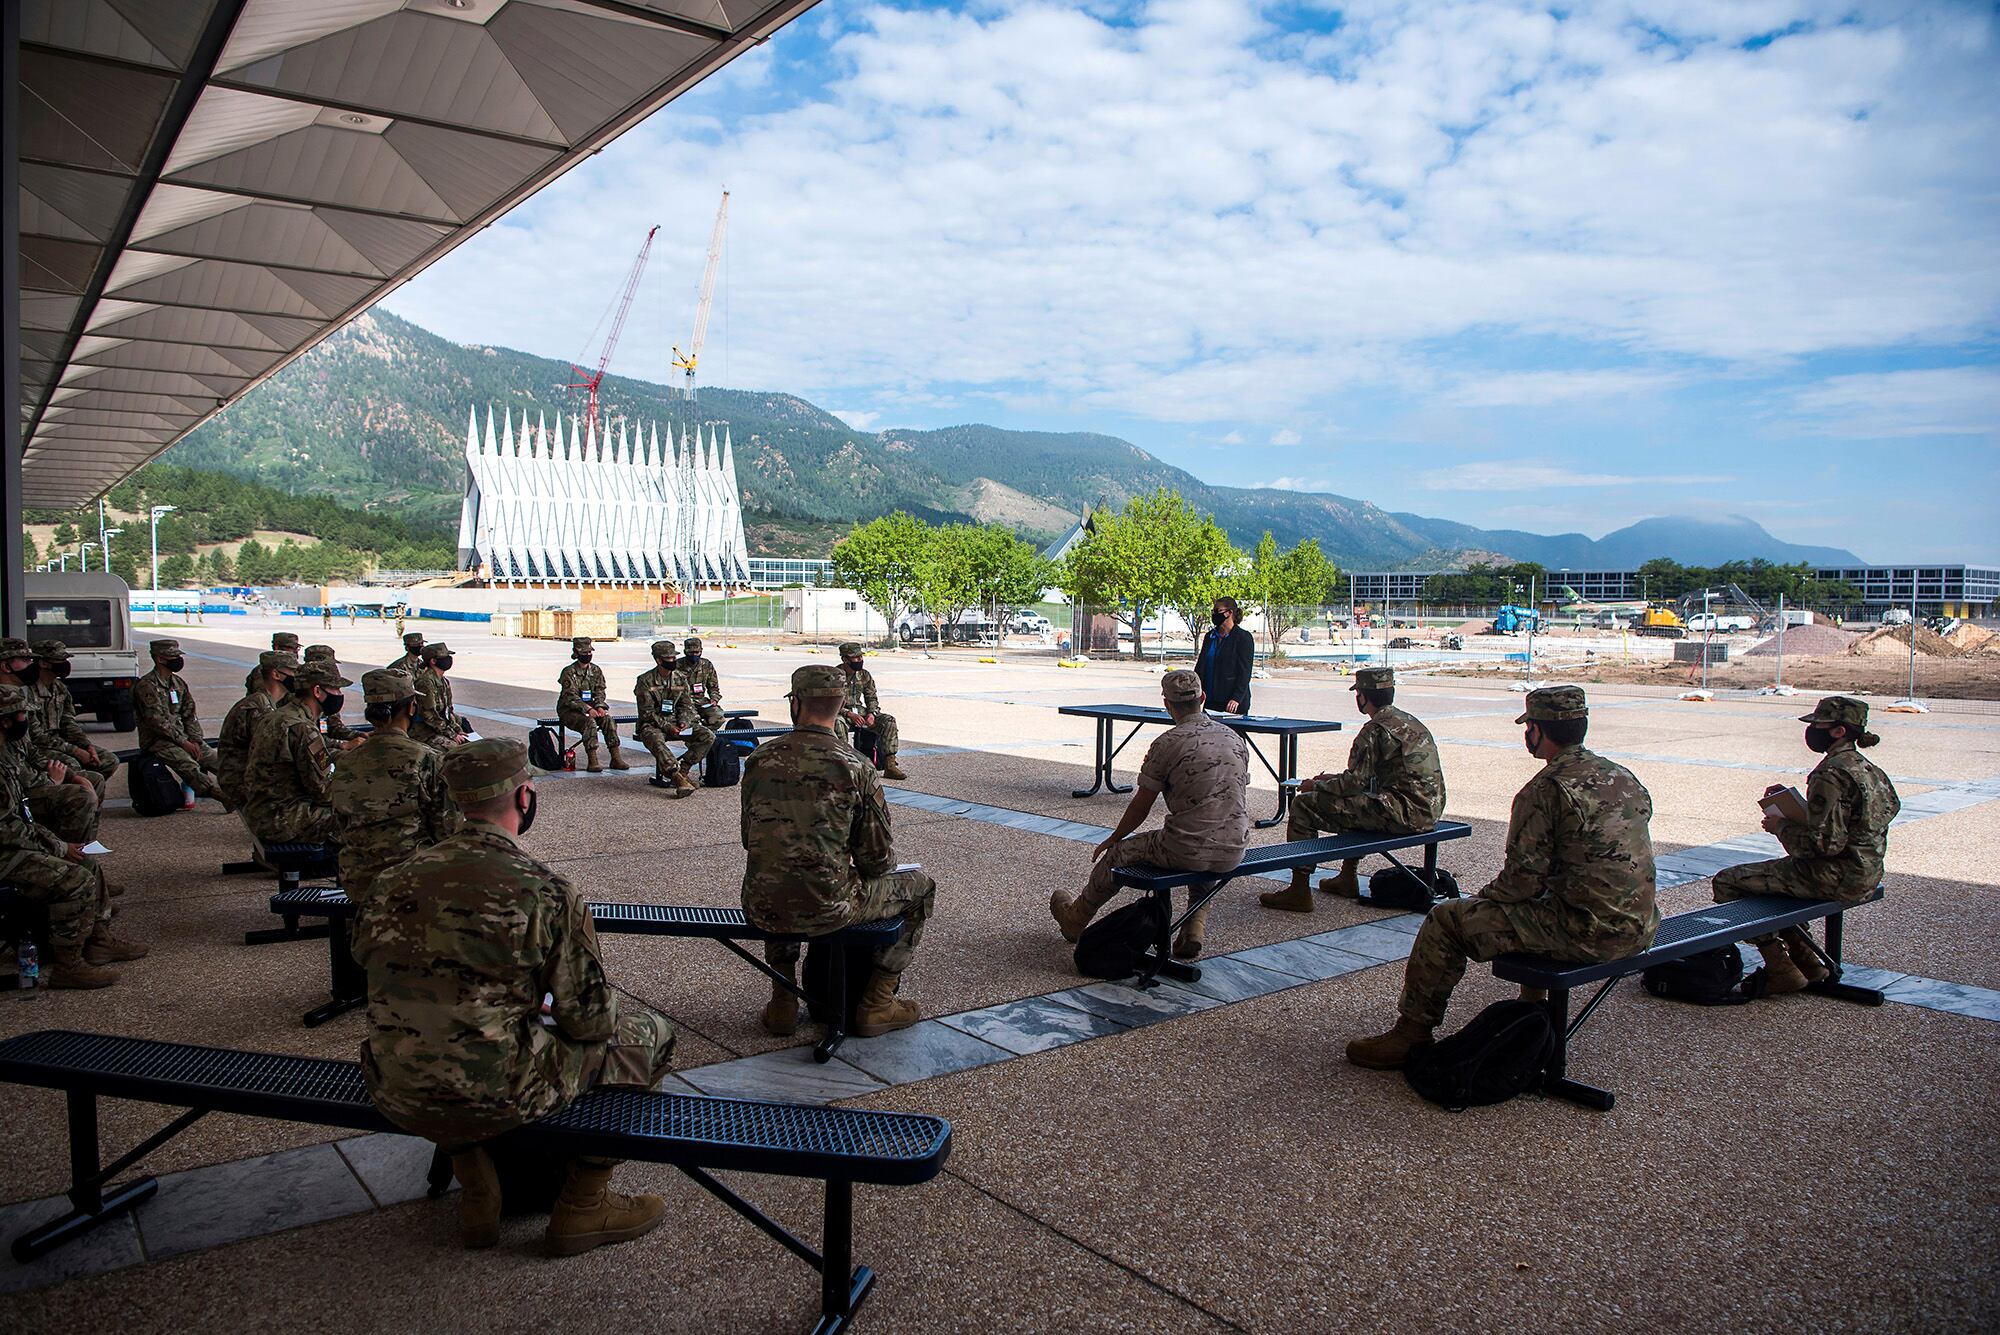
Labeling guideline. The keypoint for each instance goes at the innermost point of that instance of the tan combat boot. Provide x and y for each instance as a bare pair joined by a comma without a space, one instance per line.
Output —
589,1214
1346,883
891,770
69,969
1072,913
683,785
781,1012
479,1199
1388,1052
592,765
1779,974
1294,898
1799,946
104,948
1187,943
881,1010
618,760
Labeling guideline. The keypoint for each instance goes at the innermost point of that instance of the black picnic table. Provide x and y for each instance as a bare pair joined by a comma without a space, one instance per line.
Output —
1286,730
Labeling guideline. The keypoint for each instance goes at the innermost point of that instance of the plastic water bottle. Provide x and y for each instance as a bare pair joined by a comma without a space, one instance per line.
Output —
28,961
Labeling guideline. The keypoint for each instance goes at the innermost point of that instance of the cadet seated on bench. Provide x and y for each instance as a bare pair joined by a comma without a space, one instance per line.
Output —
389,796
816,828
1393,784
863,709
52,712
1577,883
61,796
460,942
288,782
1204,770
1835,854
268,684
169,726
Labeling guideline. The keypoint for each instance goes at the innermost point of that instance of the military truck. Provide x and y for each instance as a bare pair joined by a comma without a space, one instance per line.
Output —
92,614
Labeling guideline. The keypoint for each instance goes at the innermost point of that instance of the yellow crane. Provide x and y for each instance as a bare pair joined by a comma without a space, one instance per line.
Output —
688,362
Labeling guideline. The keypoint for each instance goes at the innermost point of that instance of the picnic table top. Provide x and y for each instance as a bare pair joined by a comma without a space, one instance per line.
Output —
1240,722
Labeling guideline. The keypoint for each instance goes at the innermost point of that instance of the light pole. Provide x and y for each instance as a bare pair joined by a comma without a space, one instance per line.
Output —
64,567
158,510
83,554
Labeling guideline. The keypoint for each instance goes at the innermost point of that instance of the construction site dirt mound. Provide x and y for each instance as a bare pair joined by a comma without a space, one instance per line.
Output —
1974,639
1809,641
1475,626
1896,640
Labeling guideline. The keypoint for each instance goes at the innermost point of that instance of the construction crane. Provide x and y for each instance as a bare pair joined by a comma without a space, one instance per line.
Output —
622,306
688,361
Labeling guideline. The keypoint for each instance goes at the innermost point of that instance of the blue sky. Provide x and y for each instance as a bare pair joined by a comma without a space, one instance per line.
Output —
1519,267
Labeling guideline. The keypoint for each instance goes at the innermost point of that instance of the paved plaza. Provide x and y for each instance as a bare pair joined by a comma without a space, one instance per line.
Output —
1195,1157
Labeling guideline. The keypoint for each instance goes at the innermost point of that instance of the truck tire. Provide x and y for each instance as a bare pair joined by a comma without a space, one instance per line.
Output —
905,633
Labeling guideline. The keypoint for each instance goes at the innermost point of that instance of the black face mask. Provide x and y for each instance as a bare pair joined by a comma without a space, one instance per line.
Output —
1218,618
1819,739
583,658
1531,738
528,816
442,664
331,705
174,664
694,658
61,670
17,728
30,674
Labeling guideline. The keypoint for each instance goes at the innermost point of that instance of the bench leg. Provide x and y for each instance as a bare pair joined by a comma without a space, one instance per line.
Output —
1831,986
438,1180
1555,1079
836,1024
291,931
91,1203
842,1286
347,982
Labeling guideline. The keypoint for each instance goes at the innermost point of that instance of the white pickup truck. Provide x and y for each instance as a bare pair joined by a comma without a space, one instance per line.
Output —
91,615
1719,622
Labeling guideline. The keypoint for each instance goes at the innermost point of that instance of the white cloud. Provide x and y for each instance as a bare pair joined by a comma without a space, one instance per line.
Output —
1950,401
1295,484
1521,476
1233,438
1285,436
860,421
1538,389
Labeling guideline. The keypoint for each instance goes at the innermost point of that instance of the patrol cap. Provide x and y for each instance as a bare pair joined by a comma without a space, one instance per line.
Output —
1374,679
577,642
692,643
13,700
315,652
851,649
436,649
15,647
387,686
164,648
1834,709
285,639
1180,687
279,659
487,768
319,672
413,641
1552,704
53,651
663,649
818,679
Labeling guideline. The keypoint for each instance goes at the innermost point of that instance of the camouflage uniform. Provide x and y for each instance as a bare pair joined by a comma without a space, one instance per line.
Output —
816,828
1838,853
66,807
704,687
582,690
666,711
52,710
334,729
33,857
289,779
1393,781
389,796
412,659
438,725
1577,883
461,941
282,642
239,725
167,718
861,699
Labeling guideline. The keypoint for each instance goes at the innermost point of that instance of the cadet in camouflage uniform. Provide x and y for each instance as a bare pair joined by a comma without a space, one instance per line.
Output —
816,828
1392,784
49,870
461,941
283,642
169,728
1203,768
389,796
269,684
1837,854
665,710
62,797
863,709
289,779
438,725
412,659
52,710
584,708
334,729
1577,883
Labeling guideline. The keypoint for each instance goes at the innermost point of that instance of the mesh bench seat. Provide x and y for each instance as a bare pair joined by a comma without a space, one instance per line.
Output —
694,1133
1163,881
348,984
1711,927
292,863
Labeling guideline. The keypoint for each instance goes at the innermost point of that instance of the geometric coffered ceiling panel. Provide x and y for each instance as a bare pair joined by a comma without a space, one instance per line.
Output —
210,187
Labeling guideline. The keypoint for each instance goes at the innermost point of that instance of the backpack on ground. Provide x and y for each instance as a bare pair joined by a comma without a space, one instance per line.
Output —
1114,945
1706,979
543,750
156,789
816,978
867,745
1503,1052
1401,888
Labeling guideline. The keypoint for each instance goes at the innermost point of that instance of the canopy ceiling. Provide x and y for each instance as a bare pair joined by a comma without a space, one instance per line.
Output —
210,187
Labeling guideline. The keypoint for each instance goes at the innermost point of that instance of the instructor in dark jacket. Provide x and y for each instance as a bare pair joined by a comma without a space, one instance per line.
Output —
1224,661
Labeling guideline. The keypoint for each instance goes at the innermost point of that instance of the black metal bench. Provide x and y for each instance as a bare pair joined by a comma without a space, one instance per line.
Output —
696,1134
1268,858
1710,927
631,720
348,982
292,863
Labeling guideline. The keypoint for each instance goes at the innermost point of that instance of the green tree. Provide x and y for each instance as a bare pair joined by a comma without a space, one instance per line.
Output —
65,535
879,560
1287,587
218,567
125,566
945,582
1008,572
1155,553
177,570
31,555
254,564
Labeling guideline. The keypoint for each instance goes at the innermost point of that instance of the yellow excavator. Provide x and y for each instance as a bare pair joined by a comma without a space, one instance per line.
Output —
1663,622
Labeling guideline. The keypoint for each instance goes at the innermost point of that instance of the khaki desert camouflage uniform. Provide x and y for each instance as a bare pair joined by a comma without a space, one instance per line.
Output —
1202,769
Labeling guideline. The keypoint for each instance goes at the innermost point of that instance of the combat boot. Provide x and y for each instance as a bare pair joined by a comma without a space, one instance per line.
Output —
683,785
1799,946
1187,943
881,1011
1072,913
891,770
589,1214
1388,1052
1294,898
69,969
1778,976
1346,883
104,948
478,1199
781,1012
618,760
592,765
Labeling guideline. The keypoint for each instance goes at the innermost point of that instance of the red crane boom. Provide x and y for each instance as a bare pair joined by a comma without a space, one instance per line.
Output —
589,380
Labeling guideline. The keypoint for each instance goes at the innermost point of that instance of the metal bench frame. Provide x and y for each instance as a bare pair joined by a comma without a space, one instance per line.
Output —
1711,927
631,720
838,1145
1162,882
348,982
292,863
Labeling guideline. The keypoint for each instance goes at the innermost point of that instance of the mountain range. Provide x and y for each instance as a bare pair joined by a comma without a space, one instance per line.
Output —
376,415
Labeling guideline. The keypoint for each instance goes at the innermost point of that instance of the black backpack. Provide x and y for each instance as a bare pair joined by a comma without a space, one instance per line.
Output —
156,789
867,745
543,751
1114,945
1401,888
724,766
1707,979
816,979
1503,1052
